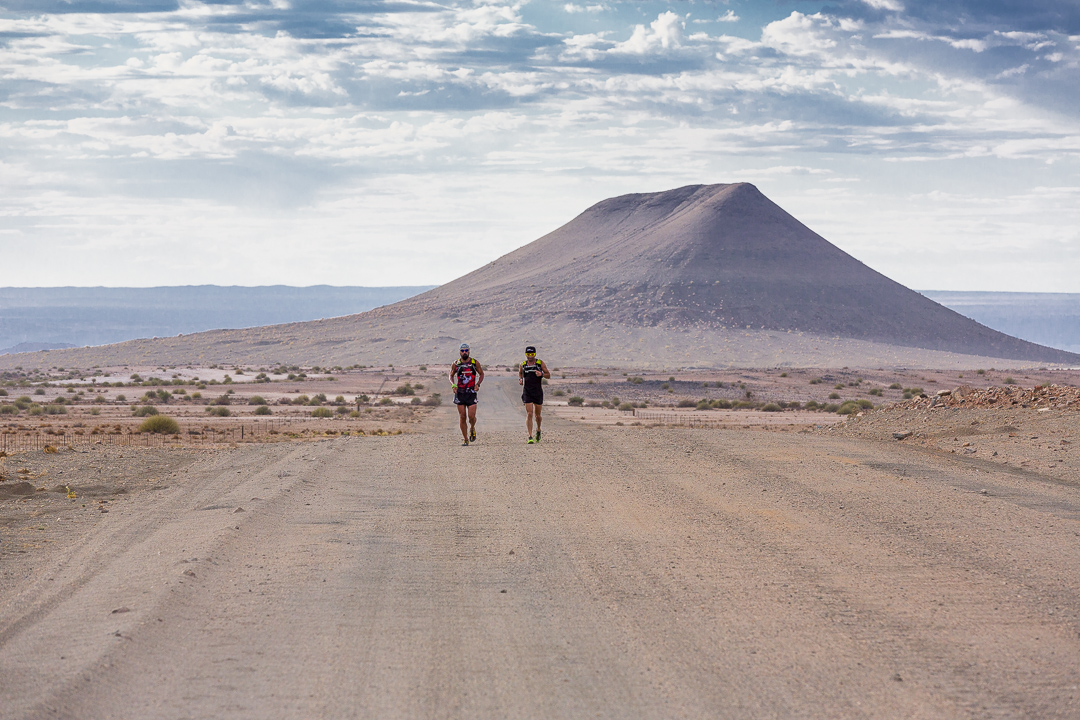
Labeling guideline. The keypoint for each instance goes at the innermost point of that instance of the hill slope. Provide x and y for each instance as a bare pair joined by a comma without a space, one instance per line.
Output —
705,275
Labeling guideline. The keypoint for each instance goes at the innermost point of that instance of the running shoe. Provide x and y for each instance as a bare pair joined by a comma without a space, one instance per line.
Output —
538,436
530,441
472,435
465,444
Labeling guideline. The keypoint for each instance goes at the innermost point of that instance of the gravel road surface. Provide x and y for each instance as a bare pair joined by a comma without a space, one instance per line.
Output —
611,573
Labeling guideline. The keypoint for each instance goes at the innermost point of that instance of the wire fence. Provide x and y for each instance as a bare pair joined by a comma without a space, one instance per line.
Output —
12,442
684,419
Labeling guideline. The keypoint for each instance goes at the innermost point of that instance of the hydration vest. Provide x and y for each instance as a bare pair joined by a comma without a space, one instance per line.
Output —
532,380
466,373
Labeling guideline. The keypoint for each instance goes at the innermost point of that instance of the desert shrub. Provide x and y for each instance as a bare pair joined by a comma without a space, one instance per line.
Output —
164,395
830,407
386,401
864,403
35,409
257,400
875,391
339,400
3,392
848,408
721,404
685,403
783,374
626,406
811,405
895,386
665,386
816,381
703,404
301,400
23,402
838,386
771,407
433,400
980,372
262,378
39,391
144,411
558,393
635,380
597,403
162,424
1009,381
576,401
8,410
264,410
95,411
362,398
218,411
743,405
354,414
834,396
321,412
221,400
343,410
913,390
405,389
318,399
423,368
55,410
414,401
793,405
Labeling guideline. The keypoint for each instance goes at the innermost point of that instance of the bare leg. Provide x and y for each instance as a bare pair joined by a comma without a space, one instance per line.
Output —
538,409
472,419
529,417
461,422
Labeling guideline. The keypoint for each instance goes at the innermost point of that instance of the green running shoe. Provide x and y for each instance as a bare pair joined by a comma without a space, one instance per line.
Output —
472,435
530,441
537,436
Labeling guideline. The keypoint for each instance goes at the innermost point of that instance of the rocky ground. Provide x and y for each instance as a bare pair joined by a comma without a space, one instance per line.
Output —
612,572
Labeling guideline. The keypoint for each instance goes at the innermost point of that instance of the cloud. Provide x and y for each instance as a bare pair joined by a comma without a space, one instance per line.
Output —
109,116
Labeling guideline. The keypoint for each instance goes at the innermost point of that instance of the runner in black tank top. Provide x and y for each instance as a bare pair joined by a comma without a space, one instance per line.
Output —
531,374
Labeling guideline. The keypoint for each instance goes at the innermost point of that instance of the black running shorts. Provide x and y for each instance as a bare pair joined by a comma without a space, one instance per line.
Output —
536,396
465,397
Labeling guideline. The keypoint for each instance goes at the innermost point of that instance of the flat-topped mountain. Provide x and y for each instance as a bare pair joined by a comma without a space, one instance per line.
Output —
709,256
704,275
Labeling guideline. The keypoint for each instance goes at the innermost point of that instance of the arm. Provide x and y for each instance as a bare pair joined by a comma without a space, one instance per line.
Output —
521,374
453,380
479,375
544,368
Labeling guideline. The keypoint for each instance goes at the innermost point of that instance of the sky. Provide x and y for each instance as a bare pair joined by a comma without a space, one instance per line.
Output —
407,142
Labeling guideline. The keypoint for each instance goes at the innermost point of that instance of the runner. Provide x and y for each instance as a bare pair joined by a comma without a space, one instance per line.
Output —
465,377
530,376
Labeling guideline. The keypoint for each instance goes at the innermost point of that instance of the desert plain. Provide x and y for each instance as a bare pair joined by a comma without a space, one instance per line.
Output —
648,558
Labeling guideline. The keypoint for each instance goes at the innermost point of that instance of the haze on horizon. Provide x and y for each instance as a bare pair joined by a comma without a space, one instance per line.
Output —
302,142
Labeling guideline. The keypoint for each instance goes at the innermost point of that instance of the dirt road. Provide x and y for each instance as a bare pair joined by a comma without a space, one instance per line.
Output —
613,573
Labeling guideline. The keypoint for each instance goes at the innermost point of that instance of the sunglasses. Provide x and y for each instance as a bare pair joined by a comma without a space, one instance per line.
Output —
530,354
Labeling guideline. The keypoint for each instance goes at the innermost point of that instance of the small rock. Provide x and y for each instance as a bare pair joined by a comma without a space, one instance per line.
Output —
190,573
119,610
897,677
902,435
239,510
943,393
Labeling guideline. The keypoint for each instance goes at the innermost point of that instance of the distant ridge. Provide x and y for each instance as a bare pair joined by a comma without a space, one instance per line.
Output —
76,316
699,276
